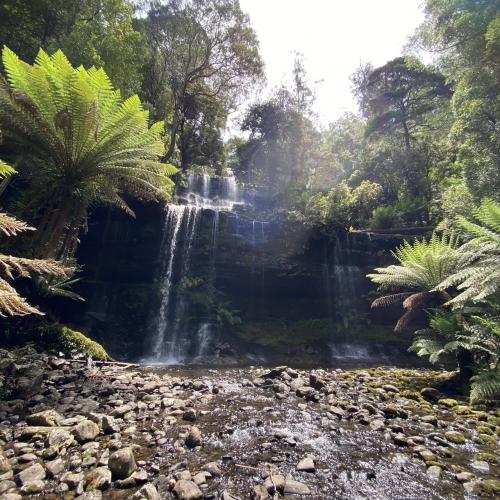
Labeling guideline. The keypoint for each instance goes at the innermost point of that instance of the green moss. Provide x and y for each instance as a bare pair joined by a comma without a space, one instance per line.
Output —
77,341
487,457
455,437
462,410
64,338
485,439
450,403
485,429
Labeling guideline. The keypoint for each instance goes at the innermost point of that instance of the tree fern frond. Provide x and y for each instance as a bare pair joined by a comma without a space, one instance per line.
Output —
12,304
388,300
485,386
10,226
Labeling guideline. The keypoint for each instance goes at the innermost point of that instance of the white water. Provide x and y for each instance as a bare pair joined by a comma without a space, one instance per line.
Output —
170,344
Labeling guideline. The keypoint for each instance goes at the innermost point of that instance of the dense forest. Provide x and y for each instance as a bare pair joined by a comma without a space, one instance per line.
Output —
115,111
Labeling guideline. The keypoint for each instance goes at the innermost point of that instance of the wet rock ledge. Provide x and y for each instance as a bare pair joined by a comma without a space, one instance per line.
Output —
72,429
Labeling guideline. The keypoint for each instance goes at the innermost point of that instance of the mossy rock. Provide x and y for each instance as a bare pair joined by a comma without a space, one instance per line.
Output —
67,339
462,410
485,439
414,395
455,437
485,429
493,420
449,403
487,457
486,487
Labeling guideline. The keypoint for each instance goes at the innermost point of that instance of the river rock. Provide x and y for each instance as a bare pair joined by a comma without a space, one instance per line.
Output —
293,487
4,463
32,473
48,418
59,438
122,463
54,467
33,487
212,468
306,465
147,492
193,438
85,431
187,490
434,471
109,425
275,483
98,479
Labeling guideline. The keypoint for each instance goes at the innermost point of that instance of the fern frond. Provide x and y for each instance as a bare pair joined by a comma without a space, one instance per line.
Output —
485,386
12,304
10,226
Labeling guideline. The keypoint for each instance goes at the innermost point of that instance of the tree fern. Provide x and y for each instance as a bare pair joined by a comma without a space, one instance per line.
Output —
11,303
423,265
480,279
485,386
82,145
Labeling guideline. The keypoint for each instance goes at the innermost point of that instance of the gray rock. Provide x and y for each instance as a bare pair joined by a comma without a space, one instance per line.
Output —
434,471
54,467
122,463
464,477
377,425
47,418
32,473
306,465
98,479
109,425
33,487
293,487
147,492
213,468
187,490
275,483
193,438
480,465
4,463
11,496
59,439
73,480
85,431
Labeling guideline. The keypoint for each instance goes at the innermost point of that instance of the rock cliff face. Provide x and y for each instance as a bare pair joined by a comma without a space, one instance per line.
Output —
266,290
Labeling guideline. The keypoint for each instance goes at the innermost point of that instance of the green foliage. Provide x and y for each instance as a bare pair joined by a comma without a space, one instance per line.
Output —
81,144
440,339
485,386
481,278
97,33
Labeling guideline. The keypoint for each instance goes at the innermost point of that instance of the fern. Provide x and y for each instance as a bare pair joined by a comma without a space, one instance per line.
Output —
480,279
485,386
11,303
82,144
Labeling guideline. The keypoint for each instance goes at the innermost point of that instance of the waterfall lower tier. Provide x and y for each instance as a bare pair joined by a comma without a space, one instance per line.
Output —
182,330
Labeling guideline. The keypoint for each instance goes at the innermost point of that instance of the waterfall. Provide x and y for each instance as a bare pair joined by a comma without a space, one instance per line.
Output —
174,339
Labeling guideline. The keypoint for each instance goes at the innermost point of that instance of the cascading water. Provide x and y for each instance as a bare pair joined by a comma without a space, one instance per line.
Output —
172,340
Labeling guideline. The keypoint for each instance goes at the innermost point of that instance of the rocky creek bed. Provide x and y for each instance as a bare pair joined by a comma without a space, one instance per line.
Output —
74,430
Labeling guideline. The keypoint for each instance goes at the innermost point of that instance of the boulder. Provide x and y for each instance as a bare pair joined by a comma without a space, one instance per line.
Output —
293,487
85,431
147,492
306,465
47,418
98,479
193,438
187,490
122,463
32,473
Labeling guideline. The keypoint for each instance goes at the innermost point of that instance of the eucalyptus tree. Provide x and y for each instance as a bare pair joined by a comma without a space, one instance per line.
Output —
199,50
80,145
465,37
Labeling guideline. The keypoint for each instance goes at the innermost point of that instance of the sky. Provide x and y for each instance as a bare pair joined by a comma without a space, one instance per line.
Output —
335,37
